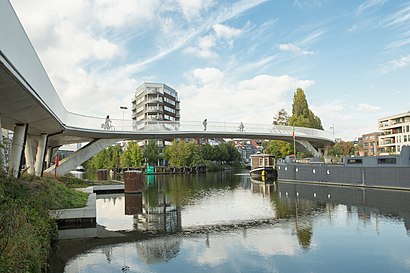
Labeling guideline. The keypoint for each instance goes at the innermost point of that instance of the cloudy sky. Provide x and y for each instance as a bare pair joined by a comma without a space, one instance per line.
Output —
229,60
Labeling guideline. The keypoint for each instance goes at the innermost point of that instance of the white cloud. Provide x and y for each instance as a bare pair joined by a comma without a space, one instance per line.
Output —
295,49
208,76
212,94
402,62
395,64
352,28
365,107
368,5
192,8
312,37
399,18
226,32
204,48
259,64
207,45
110,13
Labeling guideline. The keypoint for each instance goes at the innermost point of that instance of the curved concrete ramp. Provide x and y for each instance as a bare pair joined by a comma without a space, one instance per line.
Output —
80,156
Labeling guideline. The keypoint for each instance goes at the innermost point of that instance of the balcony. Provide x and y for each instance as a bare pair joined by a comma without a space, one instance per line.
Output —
156,100
152,91
154,109
387,142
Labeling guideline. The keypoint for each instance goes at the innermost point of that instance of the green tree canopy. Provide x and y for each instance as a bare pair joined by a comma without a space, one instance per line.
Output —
151,152
342,148
302,116
132,156
106,159
181,153
281,118
278,148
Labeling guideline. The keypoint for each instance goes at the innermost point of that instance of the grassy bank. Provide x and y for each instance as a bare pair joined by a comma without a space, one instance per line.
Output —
26,230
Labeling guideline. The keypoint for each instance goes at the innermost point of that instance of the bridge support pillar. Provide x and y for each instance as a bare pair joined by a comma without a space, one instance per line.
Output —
48,156
41,149
28,152
2,155
17,148
80,156
309,147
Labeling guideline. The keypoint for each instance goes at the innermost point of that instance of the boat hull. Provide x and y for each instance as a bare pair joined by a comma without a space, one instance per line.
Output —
264,174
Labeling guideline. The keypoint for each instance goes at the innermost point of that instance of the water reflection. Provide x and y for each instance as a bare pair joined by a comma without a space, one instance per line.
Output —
228,223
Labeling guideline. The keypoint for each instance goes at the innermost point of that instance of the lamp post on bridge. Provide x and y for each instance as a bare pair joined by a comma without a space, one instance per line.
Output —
333,129
123,108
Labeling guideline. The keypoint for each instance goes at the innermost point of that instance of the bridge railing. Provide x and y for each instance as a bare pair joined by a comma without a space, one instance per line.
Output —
127,125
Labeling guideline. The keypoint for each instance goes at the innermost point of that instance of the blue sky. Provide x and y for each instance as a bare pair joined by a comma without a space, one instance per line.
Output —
229,60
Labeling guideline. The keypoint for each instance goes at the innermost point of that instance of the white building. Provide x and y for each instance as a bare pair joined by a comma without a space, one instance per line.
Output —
155,106
155,102
395,133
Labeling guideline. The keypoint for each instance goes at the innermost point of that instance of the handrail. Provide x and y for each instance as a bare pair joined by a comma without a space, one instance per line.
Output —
127,125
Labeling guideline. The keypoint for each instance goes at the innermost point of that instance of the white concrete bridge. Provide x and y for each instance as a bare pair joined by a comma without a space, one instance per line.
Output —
31,108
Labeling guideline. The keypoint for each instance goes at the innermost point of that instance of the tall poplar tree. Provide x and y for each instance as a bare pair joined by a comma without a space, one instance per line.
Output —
302,116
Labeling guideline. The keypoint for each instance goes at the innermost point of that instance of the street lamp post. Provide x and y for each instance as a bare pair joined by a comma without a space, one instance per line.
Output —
123,108
333,129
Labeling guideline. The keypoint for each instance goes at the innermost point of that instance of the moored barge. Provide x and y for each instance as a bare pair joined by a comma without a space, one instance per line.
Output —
263,167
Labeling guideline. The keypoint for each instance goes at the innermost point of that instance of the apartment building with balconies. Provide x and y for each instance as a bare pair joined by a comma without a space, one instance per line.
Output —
154,102
395,133
368,144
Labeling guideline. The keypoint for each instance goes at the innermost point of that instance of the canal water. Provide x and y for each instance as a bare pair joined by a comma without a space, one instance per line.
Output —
224,222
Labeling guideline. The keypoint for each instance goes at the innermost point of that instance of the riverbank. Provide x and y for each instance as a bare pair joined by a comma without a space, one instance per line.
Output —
26,228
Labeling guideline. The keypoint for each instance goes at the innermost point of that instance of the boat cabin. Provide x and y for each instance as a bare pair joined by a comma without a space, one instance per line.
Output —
262,160
402,160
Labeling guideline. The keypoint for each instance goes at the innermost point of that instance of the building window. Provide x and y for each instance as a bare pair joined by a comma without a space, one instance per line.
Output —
169,109
169,101
386,160
354,161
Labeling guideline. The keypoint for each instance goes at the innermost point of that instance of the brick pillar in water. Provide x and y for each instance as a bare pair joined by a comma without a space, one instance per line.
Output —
133,181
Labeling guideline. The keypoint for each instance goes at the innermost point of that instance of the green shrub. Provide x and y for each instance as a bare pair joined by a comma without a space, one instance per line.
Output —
26,229
73,182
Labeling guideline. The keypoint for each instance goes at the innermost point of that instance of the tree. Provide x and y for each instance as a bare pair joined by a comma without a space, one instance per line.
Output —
126,160
281,118
133,156
209,152
342,148
151,152
232,153
278,148
114,155
106,159
181,153
302,116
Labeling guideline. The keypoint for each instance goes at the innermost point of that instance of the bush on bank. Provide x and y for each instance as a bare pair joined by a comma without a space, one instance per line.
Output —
26,229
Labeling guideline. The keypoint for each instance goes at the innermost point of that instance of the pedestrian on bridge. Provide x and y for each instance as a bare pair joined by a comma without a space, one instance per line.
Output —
107,124
205,123
241,127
